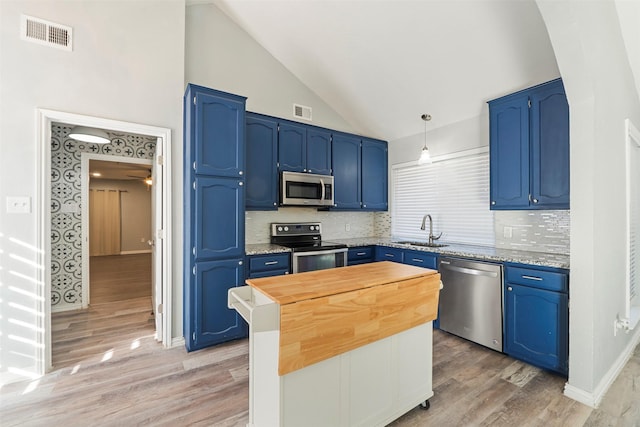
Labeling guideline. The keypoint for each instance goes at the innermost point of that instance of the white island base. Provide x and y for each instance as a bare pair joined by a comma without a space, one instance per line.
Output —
369,386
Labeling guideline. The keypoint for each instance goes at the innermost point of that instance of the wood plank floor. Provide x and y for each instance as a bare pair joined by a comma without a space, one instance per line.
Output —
123,377
119,277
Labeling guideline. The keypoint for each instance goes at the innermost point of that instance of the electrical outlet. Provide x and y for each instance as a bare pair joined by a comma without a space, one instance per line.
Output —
347,227
507,232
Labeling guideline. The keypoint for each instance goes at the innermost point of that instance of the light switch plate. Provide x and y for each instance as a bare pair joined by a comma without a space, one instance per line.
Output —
18,204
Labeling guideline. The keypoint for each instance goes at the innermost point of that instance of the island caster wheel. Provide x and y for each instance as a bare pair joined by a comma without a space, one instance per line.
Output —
425,405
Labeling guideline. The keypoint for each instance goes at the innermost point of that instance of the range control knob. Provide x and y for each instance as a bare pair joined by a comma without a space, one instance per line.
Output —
279,228
311,228
286,229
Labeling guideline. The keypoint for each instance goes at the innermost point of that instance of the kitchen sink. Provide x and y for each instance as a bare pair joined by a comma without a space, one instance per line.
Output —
426,245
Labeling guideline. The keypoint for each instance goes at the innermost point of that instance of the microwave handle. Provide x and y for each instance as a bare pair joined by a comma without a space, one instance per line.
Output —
323,189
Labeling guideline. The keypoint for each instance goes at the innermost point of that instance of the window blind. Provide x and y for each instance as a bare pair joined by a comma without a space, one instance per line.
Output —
455,192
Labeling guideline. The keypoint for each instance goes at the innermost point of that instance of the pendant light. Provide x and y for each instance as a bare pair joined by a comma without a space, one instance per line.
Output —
425,157
91,135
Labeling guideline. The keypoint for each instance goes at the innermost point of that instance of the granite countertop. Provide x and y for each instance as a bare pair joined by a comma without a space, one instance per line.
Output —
486,253
264,249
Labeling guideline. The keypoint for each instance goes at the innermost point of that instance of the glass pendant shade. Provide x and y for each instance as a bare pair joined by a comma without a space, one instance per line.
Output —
425,157
91,135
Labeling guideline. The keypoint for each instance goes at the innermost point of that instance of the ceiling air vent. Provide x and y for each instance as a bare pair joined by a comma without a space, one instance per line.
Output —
46,33
301,112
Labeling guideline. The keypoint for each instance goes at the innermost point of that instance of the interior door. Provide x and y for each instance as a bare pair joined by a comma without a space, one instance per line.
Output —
156,235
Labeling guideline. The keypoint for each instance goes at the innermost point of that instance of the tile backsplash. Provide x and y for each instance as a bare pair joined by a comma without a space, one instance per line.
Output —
335,225
539,231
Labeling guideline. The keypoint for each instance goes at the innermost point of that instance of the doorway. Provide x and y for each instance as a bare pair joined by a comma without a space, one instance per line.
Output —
161,232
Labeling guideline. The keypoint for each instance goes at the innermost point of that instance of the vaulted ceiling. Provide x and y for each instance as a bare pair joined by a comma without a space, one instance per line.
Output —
380,64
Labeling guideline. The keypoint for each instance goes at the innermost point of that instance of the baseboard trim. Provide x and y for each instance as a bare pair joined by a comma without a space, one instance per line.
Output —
143,251
594,398
177,342
56,309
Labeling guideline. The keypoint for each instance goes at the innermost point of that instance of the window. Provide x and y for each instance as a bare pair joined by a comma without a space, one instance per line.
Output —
454,190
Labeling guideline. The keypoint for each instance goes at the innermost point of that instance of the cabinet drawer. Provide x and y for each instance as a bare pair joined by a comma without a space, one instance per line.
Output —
421,259
360,253
268,273
540,279
268,262
384,253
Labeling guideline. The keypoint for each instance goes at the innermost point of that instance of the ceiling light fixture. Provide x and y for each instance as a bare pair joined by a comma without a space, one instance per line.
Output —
148,180
425,157
91,135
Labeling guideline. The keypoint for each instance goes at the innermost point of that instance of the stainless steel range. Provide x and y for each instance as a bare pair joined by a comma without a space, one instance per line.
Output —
309,251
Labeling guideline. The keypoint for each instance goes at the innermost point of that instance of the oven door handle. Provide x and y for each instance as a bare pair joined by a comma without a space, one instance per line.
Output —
321,252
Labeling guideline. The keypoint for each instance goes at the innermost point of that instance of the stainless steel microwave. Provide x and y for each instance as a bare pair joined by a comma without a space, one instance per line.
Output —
305,189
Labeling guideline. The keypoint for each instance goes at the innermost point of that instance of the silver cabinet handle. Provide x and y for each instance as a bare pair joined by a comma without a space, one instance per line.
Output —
271,263
493,202
417,260
539,279
389,255
509,288
361,253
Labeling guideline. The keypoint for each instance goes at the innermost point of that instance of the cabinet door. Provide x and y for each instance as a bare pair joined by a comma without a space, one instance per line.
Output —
318,152
218,223
211,322
550,147
509,153
360,255
292,147
374,175
262,158
219,135
346,171
536,326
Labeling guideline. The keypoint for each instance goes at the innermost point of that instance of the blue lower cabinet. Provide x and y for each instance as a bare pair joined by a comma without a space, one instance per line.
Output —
384,253
268,265
421,259
537,326
360,255
209,321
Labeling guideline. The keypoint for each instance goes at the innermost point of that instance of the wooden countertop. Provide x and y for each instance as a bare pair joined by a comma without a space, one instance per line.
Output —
294,288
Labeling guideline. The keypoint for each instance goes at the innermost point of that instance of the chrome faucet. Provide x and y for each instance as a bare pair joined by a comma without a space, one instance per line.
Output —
422,227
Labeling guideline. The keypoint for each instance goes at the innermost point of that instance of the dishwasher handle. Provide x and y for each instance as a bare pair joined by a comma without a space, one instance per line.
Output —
447,265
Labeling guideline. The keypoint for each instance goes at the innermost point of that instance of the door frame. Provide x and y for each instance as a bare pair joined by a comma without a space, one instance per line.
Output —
84,176
45,118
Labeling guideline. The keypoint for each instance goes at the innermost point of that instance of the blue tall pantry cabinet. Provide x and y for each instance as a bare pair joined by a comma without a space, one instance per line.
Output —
214,164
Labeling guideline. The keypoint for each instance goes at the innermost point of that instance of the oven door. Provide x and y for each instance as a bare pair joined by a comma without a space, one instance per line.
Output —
319,260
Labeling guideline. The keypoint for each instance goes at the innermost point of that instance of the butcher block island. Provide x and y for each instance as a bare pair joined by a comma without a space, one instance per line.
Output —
348,346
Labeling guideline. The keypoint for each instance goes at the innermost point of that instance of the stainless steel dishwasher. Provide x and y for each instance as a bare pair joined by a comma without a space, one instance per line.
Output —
471,300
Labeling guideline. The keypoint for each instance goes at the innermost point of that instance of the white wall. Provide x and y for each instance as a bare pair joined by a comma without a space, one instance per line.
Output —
122,67
221,55
601,92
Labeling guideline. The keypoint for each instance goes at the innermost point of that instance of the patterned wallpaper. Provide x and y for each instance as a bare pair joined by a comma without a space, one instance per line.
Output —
66,227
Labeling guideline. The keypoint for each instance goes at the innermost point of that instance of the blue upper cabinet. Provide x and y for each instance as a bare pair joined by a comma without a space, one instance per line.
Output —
318,151
292,147
262,158
347,169
550,146
529,149
360,173
219,134
303,148
374,175
509,153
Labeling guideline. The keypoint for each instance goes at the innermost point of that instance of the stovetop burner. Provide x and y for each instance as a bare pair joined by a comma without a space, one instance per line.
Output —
301,237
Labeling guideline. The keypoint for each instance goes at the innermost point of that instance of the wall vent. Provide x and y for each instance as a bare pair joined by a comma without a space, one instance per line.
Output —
301,112
46,33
